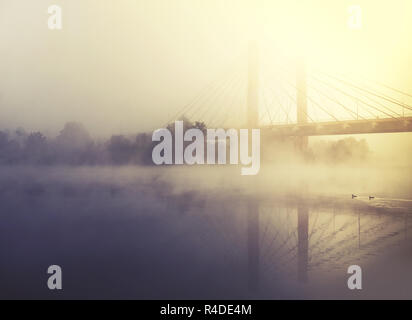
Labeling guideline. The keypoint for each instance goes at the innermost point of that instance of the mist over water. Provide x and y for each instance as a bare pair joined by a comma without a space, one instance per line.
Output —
205,232
89,199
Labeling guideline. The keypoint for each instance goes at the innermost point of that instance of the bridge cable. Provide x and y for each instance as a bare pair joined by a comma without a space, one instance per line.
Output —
211,98
291,98
232,107
218,110
331,86
357,99
187,107
351,112
394,101
308,97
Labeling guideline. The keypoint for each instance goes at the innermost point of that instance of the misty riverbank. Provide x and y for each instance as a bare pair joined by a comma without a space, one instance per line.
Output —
272,181
181,232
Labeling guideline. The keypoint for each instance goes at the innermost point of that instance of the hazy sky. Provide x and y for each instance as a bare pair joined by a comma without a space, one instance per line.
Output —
128,65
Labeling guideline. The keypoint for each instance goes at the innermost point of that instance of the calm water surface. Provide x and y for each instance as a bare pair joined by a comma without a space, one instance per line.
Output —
126,233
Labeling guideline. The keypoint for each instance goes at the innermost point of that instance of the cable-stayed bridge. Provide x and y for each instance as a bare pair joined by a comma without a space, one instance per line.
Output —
299,102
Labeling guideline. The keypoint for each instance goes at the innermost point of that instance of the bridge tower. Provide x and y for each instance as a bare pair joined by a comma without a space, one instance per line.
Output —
301,101
253,87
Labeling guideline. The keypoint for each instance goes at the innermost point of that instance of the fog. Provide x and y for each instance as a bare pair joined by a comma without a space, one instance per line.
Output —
129,66
180,232
121,227
78,187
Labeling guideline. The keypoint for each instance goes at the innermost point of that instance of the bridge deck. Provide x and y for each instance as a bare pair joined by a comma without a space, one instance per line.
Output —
386,125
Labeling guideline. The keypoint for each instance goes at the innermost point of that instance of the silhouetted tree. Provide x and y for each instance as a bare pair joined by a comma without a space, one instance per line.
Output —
74,146
72,143
10,151
348,149
121,150
36,148
201,126
74,136
144,146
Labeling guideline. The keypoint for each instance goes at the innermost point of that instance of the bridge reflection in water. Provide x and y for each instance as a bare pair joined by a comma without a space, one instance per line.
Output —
207,243
301,247
292,241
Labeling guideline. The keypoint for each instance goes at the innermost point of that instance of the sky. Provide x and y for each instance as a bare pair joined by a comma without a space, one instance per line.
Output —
128,65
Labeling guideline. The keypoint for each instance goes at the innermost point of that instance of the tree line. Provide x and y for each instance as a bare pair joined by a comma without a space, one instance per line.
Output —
74,146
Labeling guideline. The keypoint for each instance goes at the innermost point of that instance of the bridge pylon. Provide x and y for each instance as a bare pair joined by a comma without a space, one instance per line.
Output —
301,101
253,87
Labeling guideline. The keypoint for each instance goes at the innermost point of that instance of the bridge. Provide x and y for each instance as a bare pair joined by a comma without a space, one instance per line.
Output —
299,102
387,125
